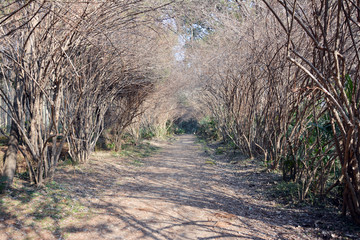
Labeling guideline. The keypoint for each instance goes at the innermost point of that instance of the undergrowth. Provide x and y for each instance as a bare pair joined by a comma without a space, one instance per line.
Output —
141,150
48,206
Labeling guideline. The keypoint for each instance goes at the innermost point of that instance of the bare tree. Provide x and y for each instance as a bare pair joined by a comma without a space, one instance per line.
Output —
331,62
66,65
262,102
34,64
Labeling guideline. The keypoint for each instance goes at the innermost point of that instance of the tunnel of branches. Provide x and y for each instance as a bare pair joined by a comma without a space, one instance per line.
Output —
278,80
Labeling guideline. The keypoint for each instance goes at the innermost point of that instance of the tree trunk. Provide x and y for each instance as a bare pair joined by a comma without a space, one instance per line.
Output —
10,157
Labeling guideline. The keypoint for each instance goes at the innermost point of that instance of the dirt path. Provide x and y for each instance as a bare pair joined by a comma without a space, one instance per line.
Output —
176,194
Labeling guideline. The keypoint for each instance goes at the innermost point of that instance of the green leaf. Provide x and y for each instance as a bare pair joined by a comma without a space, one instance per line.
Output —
349,87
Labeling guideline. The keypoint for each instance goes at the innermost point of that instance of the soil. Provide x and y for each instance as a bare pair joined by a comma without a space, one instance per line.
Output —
178,193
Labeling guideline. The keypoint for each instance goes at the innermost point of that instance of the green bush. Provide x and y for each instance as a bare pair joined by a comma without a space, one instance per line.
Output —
287,191
208,129
3,141
147,133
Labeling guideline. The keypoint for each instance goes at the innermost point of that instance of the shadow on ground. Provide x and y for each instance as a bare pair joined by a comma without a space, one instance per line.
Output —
176,178
177,194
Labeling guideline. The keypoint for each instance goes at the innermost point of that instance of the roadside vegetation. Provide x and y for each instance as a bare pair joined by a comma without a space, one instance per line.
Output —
288,93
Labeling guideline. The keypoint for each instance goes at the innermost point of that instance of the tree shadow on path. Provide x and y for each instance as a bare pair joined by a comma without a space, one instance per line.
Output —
175,194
